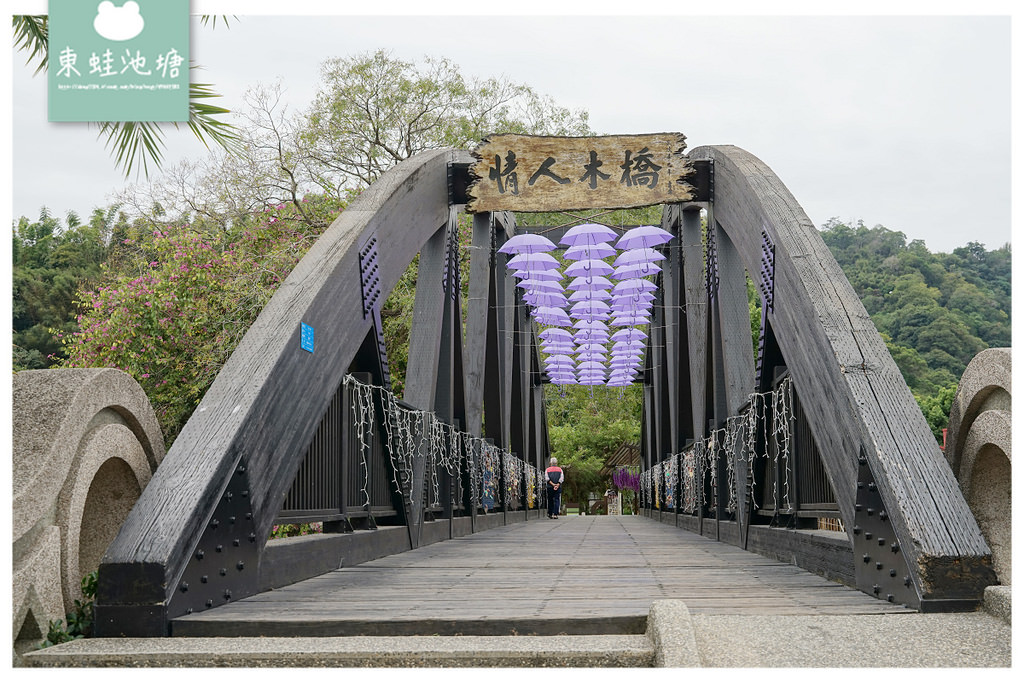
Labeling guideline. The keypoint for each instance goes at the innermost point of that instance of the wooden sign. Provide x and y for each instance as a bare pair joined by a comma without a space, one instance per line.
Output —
541,173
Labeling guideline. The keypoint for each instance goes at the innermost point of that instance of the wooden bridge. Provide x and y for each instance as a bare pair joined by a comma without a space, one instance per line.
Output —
741,452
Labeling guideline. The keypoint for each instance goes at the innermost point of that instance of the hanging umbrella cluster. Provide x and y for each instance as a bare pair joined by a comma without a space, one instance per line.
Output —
592,333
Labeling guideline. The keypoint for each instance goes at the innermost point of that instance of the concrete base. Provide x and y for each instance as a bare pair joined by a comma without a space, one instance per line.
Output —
997,602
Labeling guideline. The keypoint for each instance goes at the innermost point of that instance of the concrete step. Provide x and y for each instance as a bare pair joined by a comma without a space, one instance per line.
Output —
353,651
674,638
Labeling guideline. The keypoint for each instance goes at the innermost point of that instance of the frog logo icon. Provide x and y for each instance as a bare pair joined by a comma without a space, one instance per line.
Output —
118,23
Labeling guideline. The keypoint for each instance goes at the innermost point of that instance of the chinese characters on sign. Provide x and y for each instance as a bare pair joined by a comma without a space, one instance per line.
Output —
578,173
119,62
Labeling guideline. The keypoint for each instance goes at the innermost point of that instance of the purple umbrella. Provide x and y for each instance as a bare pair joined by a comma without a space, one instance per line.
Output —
555,333
559,349
635,285
590,307
540,286
533,262
590,336
585,251
591,381
590,283
621,345
588,233
588,268
591,317
630,321
635,271
593,356
630,306
632,296
590,325
629,334
645,236
547,275
592,347
591,365
590,295
526,243
549,299
548,315
559,358
634,256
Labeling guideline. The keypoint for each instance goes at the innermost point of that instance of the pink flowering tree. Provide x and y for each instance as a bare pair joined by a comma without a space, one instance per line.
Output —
174,302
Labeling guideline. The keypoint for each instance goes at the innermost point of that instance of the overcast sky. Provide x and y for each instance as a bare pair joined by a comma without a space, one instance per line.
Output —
898,121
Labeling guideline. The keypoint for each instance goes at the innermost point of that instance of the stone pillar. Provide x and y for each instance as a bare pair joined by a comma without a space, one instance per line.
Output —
978,450
85,444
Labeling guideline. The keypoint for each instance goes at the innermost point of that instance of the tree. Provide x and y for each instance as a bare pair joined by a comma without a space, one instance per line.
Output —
585,428
374,110
180,299
935,311
51,262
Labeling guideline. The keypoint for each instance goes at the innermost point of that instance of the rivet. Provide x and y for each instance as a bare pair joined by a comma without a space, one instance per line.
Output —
871,511
883,515
204,579
245,494
252,537
906,580
860,484
229,495
862,460
892,572
889,597
214,524
236,542
878,565
240,565
188,611
209,603
881,541
219,548
895,547
868,536
875,589
858,507
223,571
199,554
184,587
227,595
248,515
231,520
867,558
856,531
872,487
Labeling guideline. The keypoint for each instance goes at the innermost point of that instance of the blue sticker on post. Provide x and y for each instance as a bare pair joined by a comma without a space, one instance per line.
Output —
307,337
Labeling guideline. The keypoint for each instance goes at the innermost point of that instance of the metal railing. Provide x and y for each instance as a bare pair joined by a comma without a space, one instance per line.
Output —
764,458
374,457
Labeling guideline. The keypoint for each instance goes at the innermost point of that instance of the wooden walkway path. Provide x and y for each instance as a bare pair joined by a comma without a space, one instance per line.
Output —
573,575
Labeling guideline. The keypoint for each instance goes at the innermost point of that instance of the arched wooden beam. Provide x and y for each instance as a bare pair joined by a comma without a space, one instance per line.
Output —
870,432
240,450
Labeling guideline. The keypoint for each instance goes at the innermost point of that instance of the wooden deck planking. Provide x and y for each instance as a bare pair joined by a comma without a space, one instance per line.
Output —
568,570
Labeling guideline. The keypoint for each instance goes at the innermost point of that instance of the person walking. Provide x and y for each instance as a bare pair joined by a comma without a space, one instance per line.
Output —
555,478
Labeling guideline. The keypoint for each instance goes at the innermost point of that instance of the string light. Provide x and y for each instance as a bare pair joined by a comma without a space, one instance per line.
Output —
738,441
414,437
